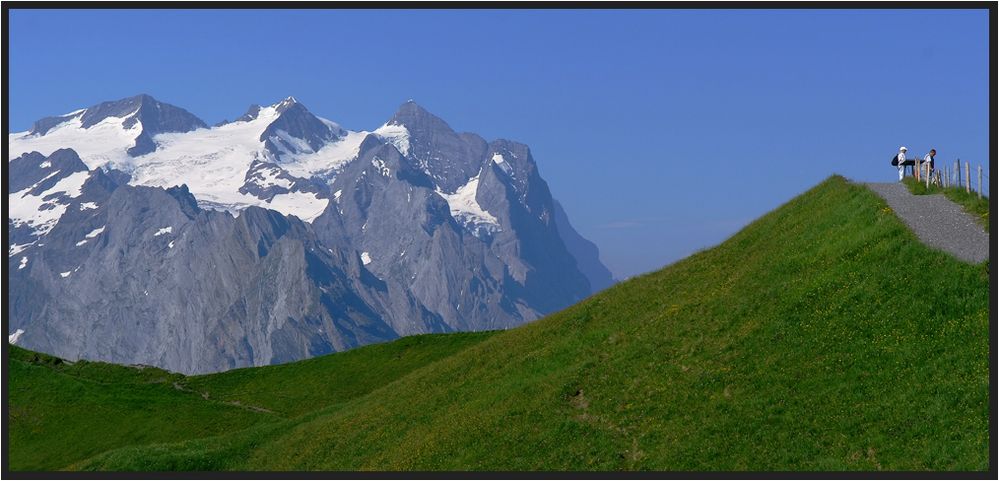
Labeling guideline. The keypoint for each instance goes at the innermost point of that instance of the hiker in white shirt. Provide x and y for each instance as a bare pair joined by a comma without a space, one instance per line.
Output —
928,162
901,162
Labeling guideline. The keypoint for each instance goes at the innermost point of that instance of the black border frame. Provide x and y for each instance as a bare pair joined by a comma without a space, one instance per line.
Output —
991,7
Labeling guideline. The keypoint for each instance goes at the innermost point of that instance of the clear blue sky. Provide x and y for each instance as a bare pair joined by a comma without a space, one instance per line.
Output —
662,132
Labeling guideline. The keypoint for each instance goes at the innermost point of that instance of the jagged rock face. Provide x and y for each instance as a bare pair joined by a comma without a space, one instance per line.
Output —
497,194
150,278
265,180
290,237
448,157
388,208
42,190
531,245
39,172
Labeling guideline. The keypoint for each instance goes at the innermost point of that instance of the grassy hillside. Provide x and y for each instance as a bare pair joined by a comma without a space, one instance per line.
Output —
62,413
823,336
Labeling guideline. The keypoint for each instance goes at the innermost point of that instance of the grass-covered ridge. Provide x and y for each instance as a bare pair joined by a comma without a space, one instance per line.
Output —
800,343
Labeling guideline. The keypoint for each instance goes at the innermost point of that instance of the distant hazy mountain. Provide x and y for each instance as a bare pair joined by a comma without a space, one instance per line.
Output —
140,235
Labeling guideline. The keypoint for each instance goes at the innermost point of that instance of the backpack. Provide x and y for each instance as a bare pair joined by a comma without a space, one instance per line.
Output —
894,159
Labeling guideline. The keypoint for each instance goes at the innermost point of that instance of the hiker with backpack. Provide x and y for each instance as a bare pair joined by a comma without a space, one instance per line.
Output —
899,160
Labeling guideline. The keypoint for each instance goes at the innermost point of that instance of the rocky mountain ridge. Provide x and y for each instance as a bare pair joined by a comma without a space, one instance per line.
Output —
274,237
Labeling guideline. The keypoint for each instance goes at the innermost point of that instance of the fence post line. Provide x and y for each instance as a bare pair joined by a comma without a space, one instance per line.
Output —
967,176
979,181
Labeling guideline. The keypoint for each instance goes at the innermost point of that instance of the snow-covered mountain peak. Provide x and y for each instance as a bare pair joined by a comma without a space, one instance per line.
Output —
114,130
280,156
156,116
286,103
297,131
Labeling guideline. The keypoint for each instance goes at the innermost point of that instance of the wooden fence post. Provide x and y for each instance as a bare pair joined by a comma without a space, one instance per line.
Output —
916,168
957,172
967,176
979,181
946,177
927,175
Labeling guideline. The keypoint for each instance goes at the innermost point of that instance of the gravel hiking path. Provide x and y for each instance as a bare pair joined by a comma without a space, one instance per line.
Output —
937,221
